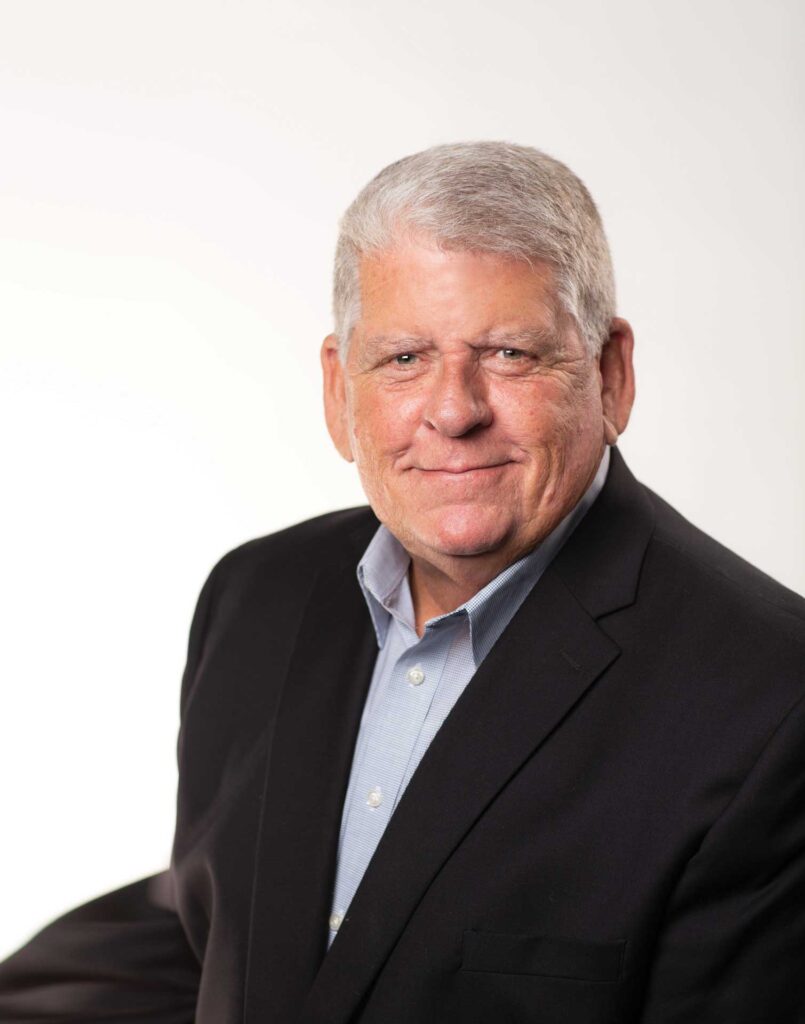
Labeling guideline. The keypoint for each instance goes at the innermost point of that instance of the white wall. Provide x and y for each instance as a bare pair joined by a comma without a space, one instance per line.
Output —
171,175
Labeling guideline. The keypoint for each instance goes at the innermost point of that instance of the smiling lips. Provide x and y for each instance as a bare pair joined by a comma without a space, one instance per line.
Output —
460,470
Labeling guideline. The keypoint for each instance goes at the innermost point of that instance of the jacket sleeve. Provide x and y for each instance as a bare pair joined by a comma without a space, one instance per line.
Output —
123,956
732,947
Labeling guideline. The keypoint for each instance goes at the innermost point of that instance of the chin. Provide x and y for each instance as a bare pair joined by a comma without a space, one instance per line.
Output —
467,532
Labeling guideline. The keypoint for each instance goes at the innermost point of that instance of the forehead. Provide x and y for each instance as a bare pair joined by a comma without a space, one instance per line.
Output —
420,289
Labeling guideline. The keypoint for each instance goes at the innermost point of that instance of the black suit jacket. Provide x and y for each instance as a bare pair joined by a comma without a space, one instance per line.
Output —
609,826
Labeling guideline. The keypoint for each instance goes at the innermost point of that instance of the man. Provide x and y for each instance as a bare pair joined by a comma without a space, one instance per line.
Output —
528,749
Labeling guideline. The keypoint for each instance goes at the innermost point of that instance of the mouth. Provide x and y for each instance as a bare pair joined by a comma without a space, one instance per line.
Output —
462,471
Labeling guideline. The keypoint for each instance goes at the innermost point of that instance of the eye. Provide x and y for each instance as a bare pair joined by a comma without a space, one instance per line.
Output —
405,359
514,362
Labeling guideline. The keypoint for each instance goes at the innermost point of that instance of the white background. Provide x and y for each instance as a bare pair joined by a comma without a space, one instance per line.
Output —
171,175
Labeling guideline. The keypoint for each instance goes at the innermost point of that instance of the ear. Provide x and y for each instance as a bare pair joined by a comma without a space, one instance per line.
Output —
617,379
335,396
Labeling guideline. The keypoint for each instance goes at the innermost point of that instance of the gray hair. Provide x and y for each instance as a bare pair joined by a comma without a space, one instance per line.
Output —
491,197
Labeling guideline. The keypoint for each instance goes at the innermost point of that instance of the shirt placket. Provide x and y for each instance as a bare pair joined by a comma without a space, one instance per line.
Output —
385,754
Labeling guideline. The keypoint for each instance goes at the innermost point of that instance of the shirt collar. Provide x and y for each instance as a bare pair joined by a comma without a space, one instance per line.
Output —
383,577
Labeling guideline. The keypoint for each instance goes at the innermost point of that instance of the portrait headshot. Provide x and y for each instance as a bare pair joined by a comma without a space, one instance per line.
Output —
405,467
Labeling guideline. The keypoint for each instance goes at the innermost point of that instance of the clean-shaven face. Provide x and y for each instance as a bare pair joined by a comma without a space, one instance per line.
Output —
467,400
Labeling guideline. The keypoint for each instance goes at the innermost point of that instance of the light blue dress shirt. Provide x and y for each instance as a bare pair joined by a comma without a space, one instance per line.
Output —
416,681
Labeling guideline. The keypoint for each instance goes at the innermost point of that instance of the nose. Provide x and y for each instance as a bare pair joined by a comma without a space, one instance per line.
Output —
456,402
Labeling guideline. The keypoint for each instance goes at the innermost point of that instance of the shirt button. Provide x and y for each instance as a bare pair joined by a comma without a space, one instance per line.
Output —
415,676
335,921
375,797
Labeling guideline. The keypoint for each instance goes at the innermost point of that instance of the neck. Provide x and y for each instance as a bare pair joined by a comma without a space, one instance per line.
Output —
437,590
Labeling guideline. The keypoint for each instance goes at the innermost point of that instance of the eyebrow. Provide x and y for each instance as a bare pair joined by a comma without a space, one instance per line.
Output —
381,342
529,337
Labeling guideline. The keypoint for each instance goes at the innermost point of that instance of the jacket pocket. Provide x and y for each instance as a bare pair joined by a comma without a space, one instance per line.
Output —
500,953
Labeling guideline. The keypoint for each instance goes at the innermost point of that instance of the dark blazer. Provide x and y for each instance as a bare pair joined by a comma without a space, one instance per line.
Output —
609,827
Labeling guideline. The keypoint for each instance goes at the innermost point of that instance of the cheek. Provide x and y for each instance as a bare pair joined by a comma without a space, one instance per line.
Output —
550,415
534,414
382,422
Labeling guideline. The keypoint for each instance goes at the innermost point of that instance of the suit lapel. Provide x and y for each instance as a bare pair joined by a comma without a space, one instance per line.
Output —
549,655
307,773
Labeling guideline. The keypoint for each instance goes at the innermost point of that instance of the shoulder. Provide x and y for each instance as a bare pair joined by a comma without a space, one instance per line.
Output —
709,645
680,598
715,572
291,557
717,616
265,582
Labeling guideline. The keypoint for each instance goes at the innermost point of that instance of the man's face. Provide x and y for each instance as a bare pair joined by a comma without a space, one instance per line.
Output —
473,413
